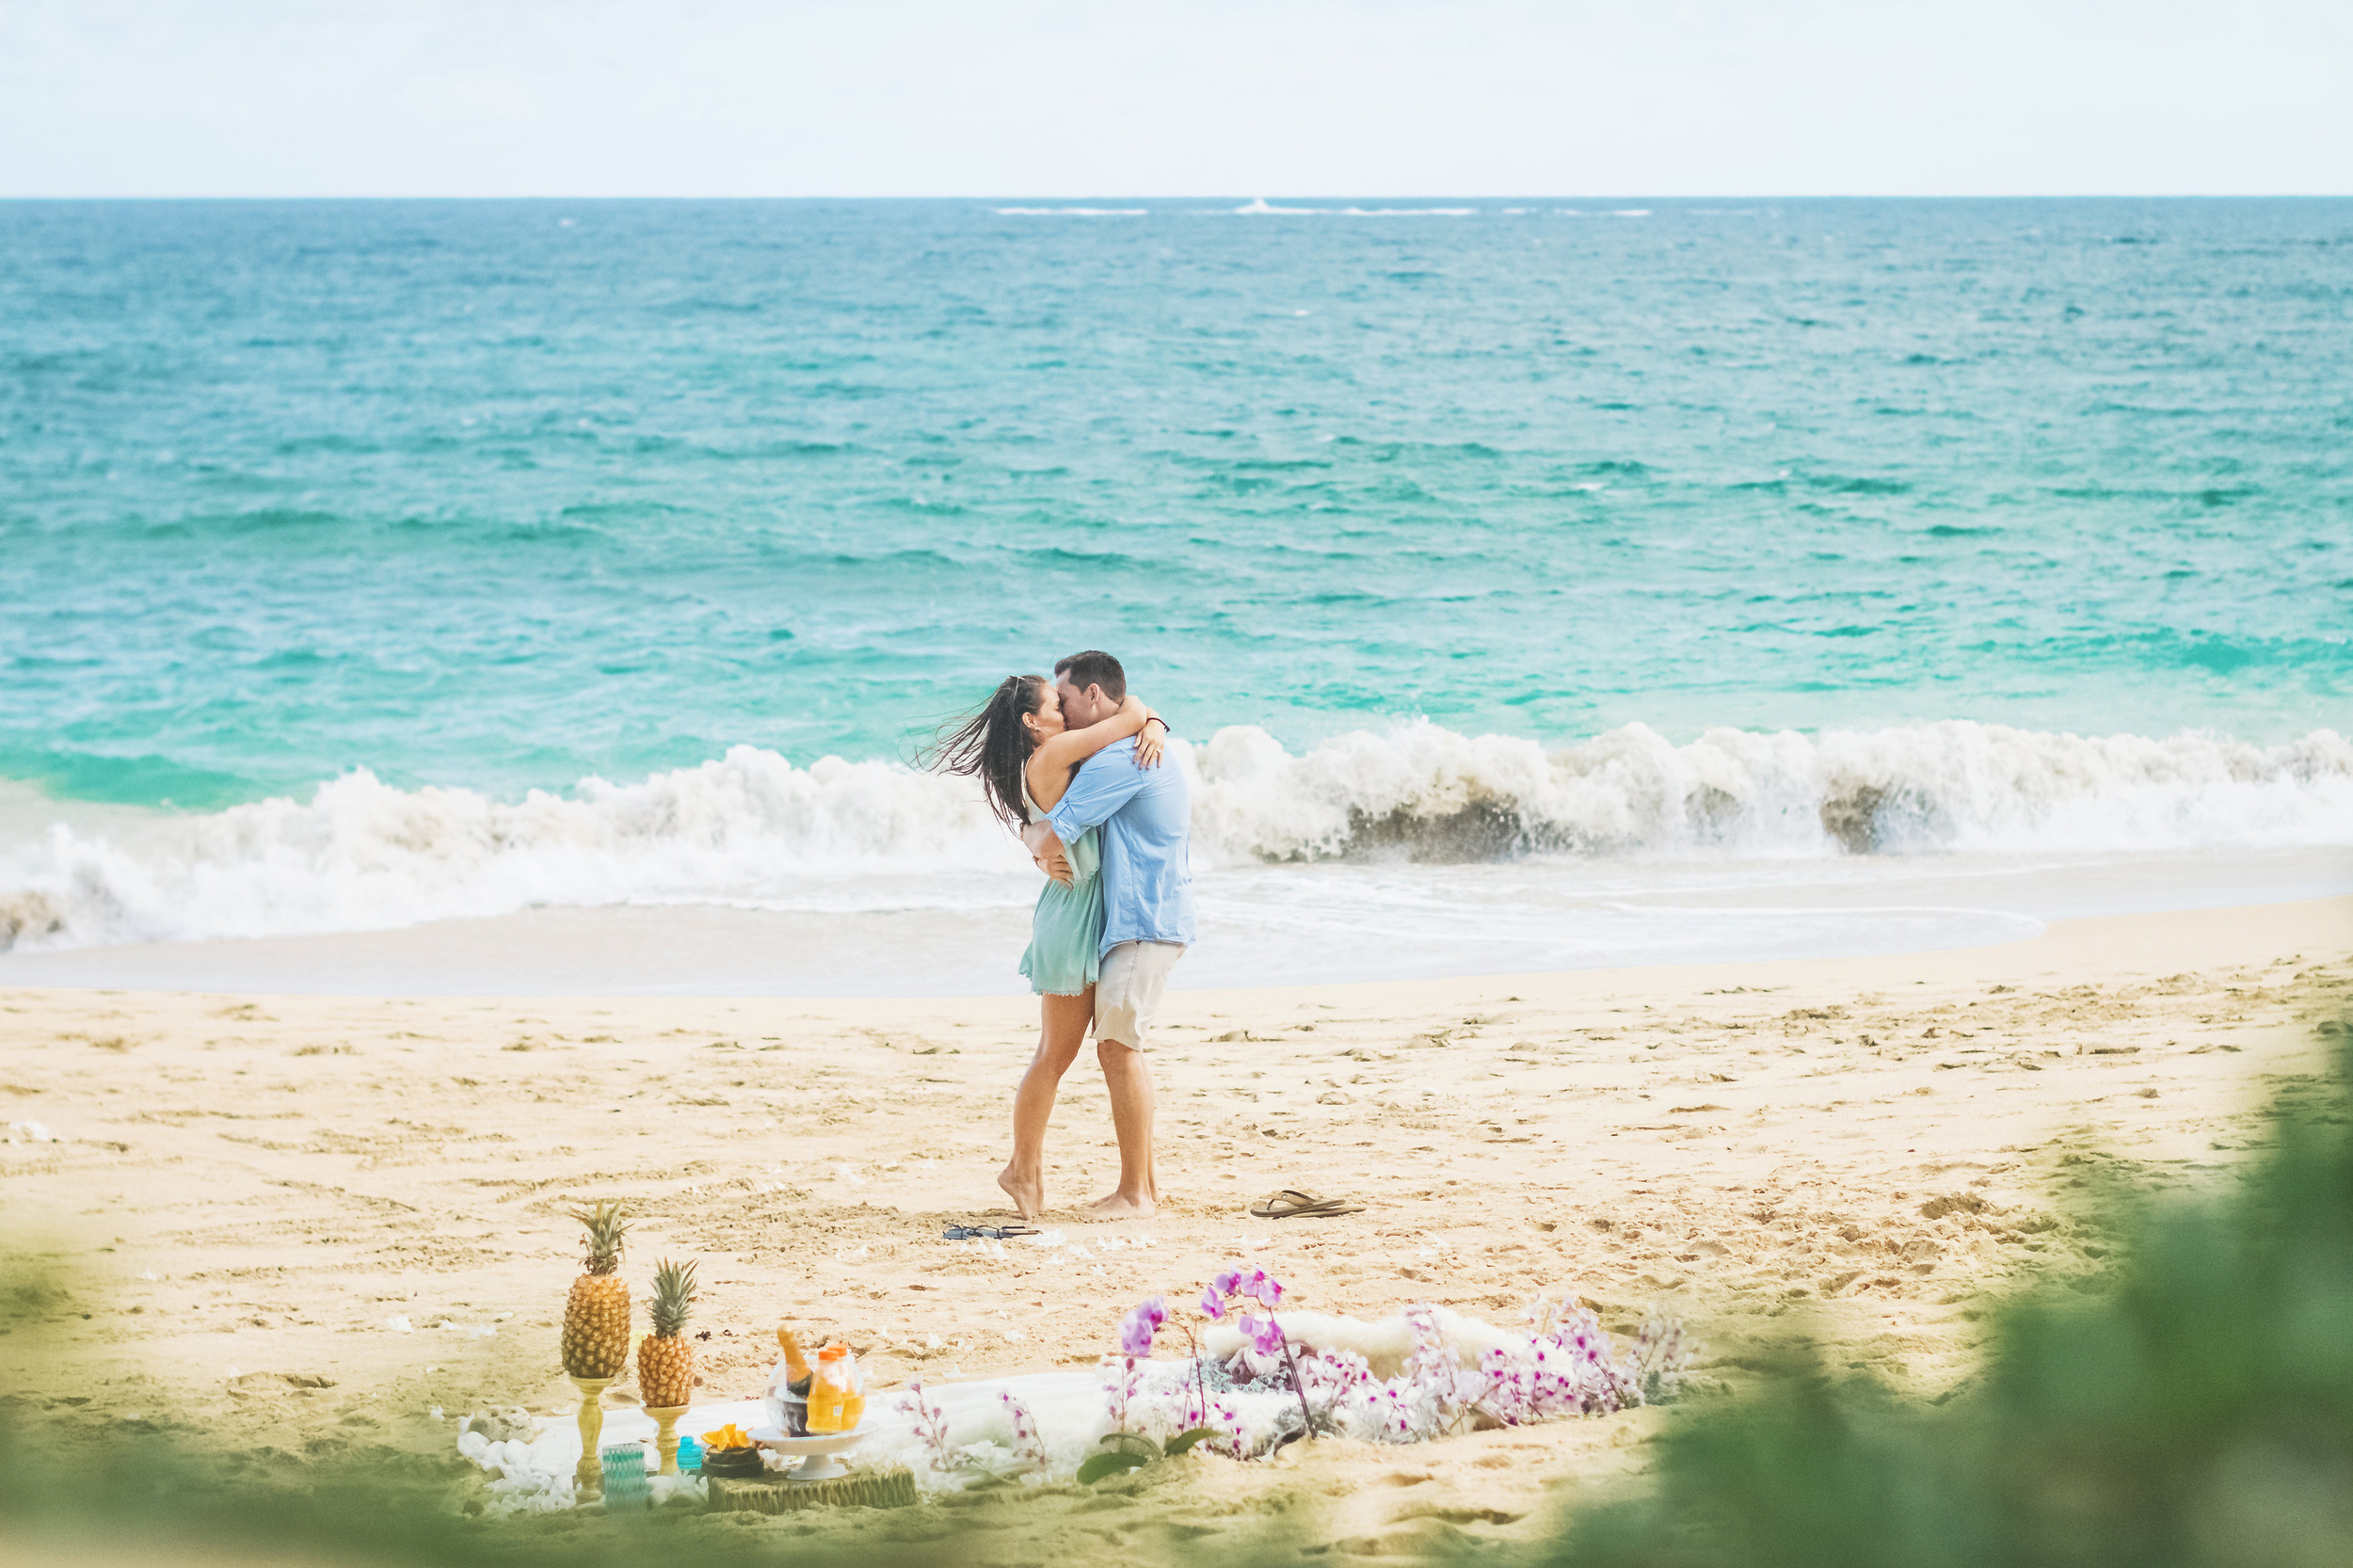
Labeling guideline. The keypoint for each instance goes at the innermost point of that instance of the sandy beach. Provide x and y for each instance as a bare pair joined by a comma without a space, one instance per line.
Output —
251,1195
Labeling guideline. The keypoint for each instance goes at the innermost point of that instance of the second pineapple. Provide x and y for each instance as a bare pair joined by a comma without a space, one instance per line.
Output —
666,1358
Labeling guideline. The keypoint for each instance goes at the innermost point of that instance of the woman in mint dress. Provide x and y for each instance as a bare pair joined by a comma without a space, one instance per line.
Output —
1066,927
1018,749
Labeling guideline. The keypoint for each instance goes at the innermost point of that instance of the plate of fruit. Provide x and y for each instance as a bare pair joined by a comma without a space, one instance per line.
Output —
729,1454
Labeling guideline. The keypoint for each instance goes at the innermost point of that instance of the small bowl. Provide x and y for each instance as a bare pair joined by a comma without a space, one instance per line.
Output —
733,1464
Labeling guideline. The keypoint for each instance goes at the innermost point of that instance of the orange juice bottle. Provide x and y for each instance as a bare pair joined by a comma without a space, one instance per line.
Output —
853,1404
832,1388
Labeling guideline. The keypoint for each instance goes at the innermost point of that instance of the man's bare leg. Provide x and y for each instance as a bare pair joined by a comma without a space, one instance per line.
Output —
1129,1078
1061,1031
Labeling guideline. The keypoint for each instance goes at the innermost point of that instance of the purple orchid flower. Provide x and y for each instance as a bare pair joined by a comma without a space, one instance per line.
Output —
1227,1283
1212,1305
1265,1335
1137,1328
1263,1288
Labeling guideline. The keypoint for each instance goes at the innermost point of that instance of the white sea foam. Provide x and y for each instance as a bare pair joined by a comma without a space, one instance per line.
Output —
1258,206
361,855
1954,787
751,829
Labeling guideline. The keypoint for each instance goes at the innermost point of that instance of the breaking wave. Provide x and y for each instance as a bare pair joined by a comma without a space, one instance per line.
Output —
1430,794
751,828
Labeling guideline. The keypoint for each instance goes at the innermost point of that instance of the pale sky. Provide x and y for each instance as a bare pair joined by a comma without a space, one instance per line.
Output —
1047,98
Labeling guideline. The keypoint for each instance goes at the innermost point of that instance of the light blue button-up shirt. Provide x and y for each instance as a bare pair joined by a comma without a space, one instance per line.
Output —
1146,818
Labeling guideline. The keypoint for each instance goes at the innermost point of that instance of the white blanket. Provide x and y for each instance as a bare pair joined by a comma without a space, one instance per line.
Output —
1070,1410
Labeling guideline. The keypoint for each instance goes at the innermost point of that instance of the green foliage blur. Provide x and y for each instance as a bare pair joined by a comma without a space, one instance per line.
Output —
144,1500
2195,1410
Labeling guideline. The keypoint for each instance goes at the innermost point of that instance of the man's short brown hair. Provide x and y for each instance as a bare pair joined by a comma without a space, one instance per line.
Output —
1094,668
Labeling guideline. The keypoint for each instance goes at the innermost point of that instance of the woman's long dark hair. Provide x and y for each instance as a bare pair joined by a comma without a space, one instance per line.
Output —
992,746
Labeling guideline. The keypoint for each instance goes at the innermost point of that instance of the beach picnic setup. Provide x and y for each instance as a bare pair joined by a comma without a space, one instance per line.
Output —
1249,1377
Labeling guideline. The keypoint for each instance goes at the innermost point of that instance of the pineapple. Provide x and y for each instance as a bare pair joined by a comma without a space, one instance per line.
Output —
665,1359
596,1318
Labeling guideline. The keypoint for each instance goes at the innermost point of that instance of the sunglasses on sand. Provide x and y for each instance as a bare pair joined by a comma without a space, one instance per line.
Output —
985,1232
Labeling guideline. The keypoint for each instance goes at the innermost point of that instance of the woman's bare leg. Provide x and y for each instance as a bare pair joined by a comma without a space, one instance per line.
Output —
1061,1033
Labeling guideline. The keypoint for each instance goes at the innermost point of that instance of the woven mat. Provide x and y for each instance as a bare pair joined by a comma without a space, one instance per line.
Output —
867,1489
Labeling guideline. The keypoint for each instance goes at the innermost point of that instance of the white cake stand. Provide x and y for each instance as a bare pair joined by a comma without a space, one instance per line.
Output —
817,1462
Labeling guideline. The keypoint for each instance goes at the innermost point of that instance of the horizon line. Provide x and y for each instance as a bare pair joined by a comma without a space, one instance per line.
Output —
1098,198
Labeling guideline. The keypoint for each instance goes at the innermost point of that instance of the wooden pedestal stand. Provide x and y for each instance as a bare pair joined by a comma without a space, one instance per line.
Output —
588,1475
665,1440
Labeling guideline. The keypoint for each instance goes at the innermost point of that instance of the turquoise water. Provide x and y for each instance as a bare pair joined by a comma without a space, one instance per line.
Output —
503,494
1717,577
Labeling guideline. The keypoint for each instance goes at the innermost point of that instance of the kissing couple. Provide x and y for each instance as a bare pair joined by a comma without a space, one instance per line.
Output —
1073,764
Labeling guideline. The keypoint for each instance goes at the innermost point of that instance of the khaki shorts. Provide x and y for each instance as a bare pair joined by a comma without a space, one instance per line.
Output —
1128,992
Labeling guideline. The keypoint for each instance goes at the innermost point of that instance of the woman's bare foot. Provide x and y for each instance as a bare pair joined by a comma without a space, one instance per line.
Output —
1028,1198
1121,1206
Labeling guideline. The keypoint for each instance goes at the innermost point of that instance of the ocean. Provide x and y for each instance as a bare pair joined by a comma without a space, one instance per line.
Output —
1531,585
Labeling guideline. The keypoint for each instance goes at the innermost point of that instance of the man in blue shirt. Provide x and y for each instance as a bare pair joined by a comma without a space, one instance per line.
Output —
1146,815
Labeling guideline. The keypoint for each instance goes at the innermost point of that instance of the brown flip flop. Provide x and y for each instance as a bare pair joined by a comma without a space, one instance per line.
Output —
1292,1204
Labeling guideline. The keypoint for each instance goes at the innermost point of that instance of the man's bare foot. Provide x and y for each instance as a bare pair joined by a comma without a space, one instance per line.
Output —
1119,1206
1029,1199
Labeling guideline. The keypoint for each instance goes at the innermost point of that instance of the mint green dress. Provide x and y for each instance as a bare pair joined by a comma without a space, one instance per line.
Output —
1066,927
